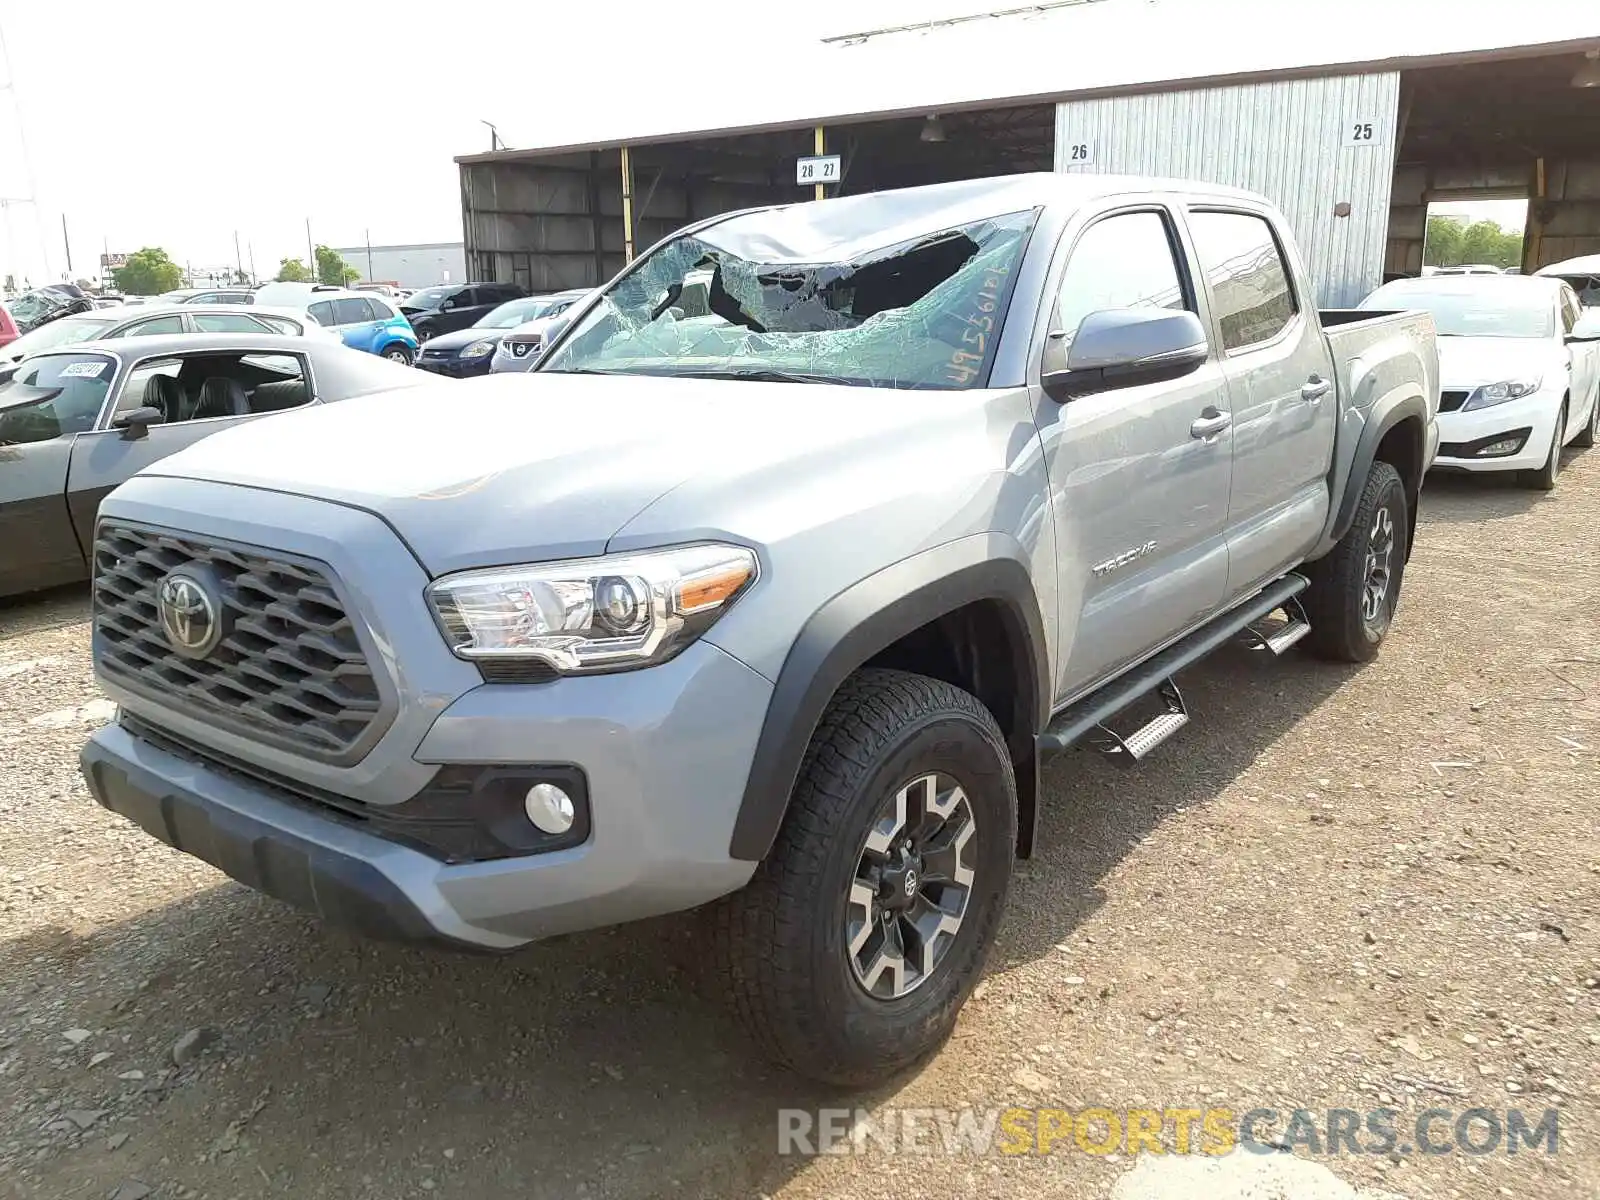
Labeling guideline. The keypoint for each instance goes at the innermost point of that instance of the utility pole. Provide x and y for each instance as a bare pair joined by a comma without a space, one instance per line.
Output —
311,255
238,262
368,233
252,249
66,243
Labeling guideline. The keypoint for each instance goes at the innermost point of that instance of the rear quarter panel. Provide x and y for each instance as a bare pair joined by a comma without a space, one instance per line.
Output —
1380,361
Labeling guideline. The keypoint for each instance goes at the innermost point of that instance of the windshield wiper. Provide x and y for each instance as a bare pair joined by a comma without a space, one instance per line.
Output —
768,375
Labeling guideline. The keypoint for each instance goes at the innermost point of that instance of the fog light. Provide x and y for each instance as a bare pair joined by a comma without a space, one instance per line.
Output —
549,808
1503,446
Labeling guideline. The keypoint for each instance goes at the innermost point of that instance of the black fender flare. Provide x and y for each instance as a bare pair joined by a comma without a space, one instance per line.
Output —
862,621
1386,414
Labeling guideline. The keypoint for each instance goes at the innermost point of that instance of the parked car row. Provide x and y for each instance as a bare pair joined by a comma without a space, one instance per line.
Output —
482,347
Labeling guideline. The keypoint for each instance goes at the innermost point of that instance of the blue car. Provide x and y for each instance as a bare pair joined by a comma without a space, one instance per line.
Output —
365,322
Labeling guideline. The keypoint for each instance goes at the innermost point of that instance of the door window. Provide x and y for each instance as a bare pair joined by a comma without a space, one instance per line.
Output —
1571,310
354,311
322,313
169,324
55,395
277,324
379,310
465,298
228,323
1249,280
1123,261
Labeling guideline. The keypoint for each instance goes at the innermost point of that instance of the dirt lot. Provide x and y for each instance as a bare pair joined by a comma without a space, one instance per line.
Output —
1339,889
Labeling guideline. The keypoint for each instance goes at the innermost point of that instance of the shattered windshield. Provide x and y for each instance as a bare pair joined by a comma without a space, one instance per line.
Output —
922,313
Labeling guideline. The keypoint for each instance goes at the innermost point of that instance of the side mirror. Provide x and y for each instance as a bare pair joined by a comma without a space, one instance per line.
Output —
1588,327
136,422
1124,347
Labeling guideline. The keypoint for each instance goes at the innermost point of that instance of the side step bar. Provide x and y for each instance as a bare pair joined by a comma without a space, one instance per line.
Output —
1291,631
1073,723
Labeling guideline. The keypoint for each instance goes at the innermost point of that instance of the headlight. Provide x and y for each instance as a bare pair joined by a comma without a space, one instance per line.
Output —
1491,394
592,614
478,350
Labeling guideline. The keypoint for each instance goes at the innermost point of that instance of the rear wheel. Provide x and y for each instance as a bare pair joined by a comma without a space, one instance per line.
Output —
1543,479
1356,587
398,352
853,948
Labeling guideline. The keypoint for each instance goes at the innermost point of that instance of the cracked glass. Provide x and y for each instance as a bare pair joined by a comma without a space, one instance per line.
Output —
735,300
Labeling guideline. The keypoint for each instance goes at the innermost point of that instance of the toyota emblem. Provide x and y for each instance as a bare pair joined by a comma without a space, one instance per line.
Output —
189,615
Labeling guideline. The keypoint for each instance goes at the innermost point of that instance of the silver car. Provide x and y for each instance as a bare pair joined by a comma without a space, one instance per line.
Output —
103,324
78,420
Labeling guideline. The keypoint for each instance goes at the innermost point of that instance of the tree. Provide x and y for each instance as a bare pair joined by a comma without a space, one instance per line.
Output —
241,277
332,268
292,270
1452,242
148,272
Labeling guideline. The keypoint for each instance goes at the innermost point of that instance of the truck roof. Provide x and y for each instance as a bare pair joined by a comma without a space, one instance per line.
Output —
845,226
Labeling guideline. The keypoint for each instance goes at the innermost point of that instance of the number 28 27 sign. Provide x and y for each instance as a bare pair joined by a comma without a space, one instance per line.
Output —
823,168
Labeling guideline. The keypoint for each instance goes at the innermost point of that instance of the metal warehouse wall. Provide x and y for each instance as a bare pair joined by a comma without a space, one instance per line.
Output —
1296,141
556,223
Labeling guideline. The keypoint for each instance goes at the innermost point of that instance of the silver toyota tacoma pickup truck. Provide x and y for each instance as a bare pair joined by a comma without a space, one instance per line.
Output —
765,600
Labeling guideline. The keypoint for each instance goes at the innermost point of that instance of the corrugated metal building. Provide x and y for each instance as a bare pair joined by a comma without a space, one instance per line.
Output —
422,264
1352,117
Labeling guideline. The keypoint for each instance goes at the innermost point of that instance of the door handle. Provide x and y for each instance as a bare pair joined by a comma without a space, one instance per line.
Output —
1315,389
1209,424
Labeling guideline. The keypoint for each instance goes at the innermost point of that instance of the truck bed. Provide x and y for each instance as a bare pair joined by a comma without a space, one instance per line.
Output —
1373,351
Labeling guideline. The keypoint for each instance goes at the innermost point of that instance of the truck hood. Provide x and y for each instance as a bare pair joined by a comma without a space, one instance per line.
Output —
1468,362
527,468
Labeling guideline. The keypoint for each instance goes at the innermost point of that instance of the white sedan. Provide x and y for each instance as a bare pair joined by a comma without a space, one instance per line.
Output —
1519,365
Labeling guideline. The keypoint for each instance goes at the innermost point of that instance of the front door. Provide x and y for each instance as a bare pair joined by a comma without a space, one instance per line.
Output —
50,401
1139,491
1280,390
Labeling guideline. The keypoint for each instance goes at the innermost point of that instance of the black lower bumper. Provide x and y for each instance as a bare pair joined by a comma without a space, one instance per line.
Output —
339,887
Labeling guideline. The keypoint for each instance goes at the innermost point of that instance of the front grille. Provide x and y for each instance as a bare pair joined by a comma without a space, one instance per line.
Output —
1452,401
289,669
521,349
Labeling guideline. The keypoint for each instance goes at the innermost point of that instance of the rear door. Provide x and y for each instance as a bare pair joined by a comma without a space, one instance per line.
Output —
354,319
107,457
1280,392
51,401
1139,494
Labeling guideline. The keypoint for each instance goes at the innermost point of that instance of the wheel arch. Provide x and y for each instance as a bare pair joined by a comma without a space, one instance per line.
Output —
966,612
1395,432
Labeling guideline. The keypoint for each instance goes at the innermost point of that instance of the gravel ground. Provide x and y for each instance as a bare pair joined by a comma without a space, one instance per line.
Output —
1338,889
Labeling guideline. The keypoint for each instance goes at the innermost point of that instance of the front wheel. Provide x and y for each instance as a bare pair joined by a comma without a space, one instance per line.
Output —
853,948
399,352
1355,588
1543,479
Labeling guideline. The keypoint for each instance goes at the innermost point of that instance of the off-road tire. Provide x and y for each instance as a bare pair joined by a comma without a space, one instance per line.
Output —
781,957
1586,435
1543,479
1339,629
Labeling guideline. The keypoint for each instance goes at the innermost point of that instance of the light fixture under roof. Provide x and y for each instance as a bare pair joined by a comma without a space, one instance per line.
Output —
1588,73
932,129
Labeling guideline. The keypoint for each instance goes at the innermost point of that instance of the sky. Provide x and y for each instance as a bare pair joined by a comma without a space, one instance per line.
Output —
180,123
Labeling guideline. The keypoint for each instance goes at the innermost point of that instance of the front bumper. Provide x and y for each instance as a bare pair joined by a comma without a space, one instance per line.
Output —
1462,433
450,363
665,751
